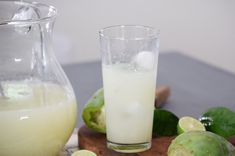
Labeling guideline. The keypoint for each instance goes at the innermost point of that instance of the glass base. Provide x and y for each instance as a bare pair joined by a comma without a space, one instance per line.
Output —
129,148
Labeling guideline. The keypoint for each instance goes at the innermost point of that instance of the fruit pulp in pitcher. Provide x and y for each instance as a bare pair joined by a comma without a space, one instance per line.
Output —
35,118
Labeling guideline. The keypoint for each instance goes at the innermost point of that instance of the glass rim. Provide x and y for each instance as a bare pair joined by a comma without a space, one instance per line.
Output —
50,8
155,32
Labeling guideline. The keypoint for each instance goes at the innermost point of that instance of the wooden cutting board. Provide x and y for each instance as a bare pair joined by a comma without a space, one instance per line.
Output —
96,142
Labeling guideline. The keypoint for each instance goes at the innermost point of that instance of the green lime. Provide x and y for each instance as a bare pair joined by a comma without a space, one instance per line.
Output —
219,120
164,123
187,123
83,153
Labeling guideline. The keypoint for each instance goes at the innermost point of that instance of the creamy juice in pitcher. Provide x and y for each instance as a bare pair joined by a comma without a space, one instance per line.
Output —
129,102
36,119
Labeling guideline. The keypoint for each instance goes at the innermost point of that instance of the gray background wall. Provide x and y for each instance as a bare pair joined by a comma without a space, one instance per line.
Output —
204,29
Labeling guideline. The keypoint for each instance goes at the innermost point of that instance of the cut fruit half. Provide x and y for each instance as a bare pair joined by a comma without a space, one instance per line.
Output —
187,123
83,153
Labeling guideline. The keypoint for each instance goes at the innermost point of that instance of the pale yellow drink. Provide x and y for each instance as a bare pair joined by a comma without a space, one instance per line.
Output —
129,102
35,119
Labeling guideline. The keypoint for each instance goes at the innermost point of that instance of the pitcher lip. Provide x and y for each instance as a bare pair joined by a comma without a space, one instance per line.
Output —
50,8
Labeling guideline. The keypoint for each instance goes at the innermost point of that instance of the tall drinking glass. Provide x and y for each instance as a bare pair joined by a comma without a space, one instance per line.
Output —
129,67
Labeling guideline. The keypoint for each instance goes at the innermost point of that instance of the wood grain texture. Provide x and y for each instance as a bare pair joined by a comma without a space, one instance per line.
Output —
96,142
232,140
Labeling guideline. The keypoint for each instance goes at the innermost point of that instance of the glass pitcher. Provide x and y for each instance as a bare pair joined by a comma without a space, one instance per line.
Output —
37,102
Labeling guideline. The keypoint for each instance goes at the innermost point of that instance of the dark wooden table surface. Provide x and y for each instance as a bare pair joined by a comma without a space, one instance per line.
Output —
195,86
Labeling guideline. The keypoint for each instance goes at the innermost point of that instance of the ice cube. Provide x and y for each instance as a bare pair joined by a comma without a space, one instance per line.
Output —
23,13
15,90
144,60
